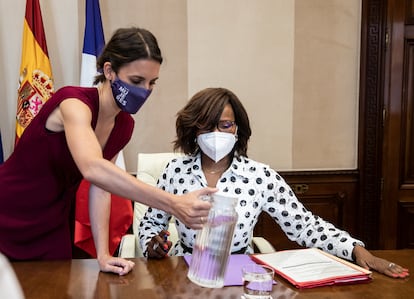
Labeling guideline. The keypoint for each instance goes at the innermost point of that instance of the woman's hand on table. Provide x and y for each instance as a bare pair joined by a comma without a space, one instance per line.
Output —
117,265
367,260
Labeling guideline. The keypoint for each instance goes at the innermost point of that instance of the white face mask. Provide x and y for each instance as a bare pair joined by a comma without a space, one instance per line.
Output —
216,145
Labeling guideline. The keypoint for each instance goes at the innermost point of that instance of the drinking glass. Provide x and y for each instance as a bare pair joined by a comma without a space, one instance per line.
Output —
257,281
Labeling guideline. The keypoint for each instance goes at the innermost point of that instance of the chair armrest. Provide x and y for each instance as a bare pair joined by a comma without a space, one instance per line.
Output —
127,246
263,245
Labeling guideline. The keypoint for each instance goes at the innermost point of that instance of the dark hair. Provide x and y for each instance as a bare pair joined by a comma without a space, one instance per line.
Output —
203,112
127,45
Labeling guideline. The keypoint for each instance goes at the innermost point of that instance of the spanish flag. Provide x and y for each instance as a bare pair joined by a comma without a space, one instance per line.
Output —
121,209
35,81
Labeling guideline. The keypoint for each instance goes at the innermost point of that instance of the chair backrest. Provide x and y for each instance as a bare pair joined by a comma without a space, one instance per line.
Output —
149,168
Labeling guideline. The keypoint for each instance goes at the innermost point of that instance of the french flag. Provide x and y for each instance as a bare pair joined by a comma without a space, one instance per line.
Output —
93,42
121,209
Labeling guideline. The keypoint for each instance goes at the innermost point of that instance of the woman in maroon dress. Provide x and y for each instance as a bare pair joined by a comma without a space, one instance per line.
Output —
78,134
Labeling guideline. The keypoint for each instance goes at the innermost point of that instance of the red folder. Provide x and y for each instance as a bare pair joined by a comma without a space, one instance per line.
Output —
311,267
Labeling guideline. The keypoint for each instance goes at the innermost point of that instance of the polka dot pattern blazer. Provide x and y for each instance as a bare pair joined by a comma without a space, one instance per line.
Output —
258,188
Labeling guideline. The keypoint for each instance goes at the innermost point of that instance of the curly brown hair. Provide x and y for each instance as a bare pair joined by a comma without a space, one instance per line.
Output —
203,112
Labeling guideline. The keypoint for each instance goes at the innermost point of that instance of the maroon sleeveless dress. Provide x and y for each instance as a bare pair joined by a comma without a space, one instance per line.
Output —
38,182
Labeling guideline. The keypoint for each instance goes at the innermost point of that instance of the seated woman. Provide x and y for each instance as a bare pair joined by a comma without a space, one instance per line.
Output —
213,131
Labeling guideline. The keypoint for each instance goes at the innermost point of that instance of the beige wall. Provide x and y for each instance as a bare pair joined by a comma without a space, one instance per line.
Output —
249,48
325,102
294,64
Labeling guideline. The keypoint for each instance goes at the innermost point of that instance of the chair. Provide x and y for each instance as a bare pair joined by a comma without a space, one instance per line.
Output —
150,167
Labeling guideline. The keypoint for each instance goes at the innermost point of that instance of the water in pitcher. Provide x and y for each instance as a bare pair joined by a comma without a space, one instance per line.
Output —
213,243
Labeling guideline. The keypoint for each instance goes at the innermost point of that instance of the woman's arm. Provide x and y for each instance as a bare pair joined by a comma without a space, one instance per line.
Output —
99,214
301,225
312,231
87,154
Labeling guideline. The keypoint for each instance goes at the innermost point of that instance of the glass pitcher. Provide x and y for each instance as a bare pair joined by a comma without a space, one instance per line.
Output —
213,243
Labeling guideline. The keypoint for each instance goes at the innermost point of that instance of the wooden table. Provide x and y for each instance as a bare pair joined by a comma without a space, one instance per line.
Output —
167,278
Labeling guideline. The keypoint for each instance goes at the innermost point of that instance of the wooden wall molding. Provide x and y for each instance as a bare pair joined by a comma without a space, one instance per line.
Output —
370,117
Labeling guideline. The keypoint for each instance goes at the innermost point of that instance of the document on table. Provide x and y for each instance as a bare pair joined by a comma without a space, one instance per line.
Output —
308,268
